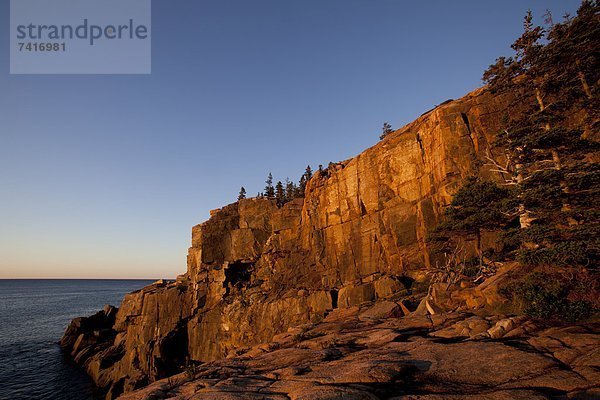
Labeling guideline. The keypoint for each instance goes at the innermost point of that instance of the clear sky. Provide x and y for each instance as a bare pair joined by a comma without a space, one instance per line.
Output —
103,176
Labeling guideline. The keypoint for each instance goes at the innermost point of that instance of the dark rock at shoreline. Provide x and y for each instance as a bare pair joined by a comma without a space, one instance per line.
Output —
84,329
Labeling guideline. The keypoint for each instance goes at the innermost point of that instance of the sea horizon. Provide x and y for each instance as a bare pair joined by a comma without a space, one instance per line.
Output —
83,279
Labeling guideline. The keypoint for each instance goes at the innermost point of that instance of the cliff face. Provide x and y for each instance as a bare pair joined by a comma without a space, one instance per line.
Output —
254,269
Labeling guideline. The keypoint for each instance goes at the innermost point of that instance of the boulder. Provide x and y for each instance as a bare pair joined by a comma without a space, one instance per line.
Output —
381,310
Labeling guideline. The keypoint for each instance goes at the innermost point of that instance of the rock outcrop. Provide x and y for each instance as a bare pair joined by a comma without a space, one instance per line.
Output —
255,270
351,355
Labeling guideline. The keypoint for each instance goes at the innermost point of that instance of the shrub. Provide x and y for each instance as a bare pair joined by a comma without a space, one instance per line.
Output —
563,254
552,296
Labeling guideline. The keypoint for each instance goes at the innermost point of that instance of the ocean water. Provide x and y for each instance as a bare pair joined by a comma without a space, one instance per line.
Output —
33,317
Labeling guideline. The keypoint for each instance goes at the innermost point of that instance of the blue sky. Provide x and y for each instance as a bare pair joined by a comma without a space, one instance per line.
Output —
102,176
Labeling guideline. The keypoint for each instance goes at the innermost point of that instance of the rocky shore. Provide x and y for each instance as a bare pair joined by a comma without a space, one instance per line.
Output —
328,297
372,352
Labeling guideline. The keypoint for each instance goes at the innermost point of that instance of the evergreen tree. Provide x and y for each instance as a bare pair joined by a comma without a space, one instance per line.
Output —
303,181
242,194
269,189
308,172
279,193
555,180
386,130
547,210
571,63
476,206
290,190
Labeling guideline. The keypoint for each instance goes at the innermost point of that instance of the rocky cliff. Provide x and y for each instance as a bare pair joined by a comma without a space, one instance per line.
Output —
254,270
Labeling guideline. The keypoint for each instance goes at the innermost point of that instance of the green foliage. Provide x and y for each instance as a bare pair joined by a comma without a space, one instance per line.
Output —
511,240
532,134
528,51
477,205
269,189
543,190
585,179
554,137
560,59
559,254
242,194
500,74
555,73
571,58
280,193
291,190
568,246
288,191
549,297
386,130
304,180
557,66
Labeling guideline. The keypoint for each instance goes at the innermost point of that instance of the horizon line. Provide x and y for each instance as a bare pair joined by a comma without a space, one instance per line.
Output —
88,279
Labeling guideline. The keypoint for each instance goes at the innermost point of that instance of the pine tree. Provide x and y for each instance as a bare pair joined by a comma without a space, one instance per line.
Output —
242,194
290,190
555,183
308,172
303,181
476,206
386,130
502,76
547,210
269,189
280,193
571,60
